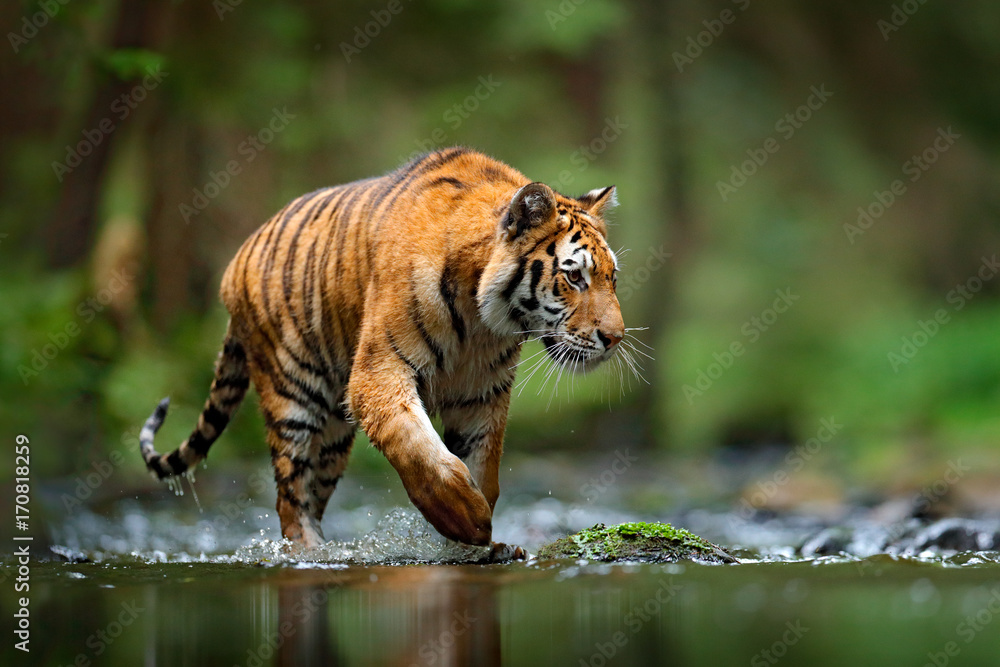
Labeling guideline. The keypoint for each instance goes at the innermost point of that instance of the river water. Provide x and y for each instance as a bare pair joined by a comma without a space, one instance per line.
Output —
153,579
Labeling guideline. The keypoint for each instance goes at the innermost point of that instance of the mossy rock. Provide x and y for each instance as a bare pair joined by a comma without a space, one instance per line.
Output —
645,542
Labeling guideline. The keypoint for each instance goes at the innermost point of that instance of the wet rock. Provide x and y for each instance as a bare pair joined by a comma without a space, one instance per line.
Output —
957,535
828,542
68,555
645,542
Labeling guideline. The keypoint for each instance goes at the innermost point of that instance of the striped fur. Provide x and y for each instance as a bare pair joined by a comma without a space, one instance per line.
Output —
382,302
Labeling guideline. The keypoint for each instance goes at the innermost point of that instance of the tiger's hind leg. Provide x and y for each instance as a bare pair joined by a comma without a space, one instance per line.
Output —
330,451
296,417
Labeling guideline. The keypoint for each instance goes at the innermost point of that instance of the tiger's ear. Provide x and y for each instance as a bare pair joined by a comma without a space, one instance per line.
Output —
532,205
600,201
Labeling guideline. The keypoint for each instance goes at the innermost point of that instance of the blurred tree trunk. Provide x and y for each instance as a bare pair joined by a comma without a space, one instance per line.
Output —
171,174
654,23
70,233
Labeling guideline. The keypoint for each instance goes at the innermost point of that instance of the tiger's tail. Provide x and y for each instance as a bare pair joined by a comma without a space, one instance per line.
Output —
232,379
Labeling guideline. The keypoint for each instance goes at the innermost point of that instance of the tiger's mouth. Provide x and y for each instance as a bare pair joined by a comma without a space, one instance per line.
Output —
574,354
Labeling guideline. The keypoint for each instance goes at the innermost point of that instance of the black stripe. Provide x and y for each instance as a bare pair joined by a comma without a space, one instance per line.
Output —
399,353
346,219
338,412
288,424
506,357
233,349
287,277
458,444
551,249
518,316
277,372
256,322
554,311
448,293
576,237
493,172
442,180
299,466
215,418
414,312
431,162
286,495
515,280
336,448
491,395
537,267
311,394
230,401
174,462
231,381
199,443
327,482
308,287
279,228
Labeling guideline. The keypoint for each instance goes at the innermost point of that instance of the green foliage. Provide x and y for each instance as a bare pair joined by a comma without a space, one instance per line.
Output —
564,69
129,64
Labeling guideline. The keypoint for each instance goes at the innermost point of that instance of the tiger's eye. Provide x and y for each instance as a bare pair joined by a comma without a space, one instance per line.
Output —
575,276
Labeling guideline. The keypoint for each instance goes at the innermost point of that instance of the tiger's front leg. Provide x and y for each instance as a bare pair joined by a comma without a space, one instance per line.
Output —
385,401
473,431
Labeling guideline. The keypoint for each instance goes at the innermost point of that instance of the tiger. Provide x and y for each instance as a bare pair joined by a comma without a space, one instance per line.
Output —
383,302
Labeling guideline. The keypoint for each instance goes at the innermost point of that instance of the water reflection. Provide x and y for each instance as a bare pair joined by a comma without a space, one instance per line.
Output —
420,616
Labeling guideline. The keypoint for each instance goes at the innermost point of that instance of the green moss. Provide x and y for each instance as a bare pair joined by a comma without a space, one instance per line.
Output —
648,542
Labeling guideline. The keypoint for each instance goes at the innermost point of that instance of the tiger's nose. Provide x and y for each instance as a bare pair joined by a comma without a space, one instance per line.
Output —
609,339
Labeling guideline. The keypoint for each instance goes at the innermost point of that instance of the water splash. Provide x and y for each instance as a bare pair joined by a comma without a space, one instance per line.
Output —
403,536
189,474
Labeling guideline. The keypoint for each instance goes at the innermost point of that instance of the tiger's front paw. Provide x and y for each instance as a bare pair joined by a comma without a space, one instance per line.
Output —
503,553
453,504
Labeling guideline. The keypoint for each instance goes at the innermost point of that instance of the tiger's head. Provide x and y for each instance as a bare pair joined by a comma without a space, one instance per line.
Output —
552,275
